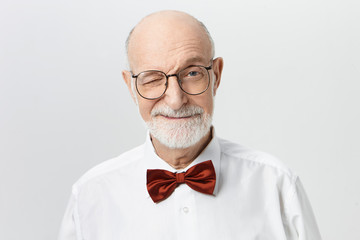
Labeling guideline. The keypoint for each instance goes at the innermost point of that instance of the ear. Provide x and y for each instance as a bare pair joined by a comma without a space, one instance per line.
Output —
217,68
127,78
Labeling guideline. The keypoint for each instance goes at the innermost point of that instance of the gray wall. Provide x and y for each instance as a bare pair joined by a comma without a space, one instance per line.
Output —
290,87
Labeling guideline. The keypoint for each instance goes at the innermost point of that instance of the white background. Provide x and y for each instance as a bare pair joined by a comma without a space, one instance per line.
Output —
290,87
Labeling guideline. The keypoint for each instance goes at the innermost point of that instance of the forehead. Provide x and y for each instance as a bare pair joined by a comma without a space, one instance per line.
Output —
165,45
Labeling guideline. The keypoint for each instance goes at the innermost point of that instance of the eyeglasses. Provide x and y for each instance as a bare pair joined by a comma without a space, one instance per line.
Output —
193,80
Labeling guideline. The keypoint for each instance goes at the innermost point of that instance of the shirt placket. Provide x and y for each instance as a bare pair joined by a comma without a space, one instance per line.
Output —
186,213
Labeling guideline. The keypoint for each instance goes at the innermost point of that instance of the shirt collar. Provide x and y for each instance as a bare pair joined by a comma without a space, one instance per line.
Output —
152,161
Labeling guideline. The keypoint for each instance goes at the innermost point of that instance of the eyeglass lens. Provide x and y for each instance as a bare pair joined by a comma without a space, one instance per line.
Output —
193,80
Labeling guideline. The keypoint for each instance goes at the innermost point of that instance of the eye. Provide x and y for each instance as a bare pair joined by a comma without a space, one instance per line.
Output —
151,78
193,74
153,82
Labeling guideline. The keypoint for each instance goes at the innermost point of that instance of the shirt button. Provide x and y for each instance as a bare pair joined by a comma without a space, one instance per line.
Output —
185,209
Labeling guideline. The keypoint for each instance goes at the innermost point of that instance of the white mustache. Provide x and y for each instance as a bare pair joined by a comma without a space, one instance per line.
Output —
185,111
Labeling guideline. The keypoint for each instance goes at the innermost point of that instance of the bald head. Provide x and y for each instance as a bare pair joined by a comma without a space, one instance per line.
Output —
167,30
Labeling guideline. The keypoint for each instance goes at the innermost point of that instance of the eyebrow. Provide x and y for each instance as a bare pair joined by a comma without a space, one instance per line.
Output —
188,62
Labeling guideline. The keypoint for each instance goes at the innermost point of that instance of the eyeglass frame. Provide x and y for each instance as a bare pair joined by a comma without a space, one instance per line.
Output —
177,78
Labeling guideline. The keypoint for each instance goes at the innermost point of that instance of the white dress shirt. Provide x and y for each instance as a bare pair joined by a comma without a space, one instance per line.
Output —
255,198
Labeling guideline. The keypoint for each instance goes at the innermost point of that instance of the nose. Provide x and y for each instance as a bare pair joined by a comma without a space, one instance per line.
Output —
174,96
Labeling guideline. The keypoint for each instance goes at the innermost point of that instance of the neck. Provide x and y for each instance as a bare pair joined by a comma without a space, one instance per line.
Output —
181,158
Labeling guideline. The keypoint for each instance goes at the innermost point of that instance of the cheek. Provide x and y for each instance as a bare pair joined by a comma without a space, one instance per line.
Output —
205,101
145,108
209,104
209,107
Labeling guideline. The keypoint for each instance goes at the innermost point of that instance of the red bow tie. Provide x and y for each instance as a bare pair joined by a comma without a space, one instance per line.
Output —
200,177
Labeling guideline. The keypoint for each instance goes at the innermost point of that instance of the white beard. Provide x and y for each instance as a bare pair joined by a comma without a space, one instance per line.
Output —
182,133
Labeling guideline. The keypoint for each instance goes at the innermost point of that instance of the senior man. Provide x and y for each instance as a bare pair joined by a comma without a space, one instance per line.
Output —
184,182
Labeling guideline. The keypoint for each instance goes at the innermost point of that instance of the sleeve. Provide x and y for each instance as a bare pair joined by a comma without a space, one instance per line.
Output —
70,228
300,221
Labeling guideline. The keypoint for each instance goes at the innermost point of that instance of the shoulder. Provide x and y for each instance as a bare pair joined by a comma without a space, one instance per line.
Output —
123,161
253,158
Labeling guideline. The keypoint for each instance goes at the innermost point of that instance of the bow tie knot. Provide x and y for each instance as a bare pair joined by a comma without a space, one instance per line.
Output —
180,177
200,177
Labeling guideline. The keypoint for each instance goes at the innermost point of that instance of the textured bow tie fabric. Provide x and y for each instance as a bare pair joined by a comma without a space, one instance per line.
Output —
200,177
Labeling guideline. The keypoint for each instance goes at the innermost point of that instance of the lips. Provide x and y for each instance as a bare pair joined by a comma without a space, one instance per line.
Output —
176,118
